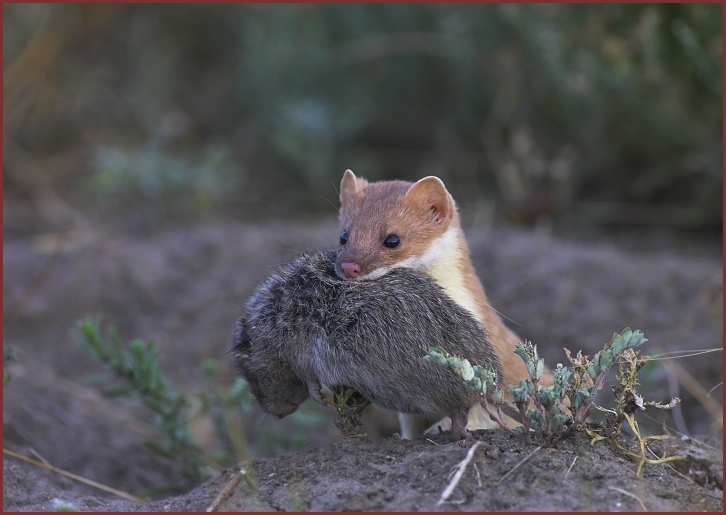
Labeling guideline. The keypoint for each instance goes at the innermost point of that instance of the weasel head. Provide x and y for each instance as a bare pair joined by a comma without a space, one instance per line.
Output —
389,224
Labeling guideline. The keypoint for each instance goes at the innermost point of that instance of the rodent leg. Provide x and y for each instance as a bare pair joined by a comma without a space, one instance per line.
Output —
458,425
315,389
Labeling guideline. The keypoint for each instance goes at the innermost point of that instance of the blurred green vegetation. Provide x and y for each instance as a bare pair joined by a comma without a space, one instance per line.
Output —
604,113
134,374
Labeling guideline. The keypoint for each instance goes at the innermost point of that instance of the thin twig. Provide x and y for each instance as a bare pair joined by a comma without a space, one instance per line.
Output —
624,492
459,472
569,469
71,475
675,392
227,490
505,476
41,458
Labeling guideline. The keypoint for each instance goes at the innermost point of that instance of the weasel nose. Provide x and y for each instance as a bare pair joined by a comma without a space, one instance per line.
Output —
351,270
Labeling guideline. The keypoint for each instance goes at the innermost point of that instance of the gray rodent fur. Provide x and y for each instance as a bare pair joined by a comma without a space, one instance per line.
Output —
305,326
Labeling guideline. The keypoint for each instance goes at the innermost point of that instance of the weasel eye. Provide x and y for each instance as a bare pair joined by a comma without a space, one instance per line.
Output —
343,238
391,241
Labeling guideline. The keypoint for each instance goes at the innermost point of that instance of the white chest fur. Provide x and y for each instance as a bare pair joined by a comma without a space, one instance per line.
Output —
443,262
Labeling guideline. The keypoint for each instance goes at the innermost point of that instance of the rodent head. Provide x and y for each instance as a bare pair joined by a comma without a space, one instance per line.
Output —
272,381
389,224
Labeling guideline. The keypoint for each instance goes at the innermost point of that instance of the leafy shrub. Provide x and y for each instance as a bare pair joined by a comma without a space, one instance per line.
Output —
545,417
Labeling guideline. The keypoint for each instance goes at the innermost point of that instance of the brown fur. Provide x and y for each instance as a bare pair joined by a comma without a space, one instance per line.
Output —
420,213
412,217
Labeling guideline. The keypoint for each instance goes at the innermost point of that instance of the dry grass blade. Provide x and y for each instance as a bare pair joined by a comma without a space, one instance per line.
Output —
505,476
76,477
680,354
459,472
719,385
695,389
569,469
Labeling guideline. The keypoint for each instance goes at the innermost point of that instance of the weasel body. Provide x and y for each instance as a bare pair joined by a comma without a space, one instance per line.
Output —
387,225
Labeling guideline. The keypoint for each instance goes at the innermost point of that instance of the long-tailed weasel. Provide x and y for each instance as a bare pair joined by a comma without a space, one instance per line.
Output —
393,224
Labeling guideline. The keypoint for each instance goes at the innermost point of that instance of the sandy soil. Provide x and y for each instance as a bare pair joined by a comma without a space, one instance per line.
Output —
401,475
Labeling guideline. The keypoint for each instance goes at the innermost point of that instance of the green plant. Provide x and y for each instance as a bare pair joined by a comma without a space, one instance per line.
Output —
349,404
586,370
164,182
479,379
61,505
546,417
627,402
136,364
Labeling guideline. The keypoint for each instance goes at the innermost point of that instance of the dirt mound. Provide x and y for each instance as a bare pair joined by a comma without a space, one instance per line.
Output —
400,475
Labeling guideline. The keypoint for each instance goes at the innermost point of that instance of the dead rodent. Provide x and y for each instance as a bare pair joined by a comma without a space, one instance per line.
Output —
305,326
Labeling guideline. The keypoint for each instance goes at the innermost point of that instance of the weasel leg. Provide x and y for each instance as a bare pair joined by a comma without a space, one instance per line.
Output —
413,425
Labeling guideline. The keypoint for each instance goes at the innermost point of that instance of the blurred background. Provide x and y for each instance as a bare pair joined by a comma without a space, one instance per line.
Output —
160,159
584,115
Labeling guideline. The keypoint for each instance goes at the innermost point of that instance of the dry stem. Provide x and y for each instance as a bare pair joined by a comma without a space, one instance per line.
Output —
460,467
227,490
90,482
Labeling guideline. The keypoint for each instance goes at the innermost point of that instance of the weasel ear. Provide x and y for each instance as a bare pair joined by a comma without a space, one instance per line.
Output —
431,194
350,186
